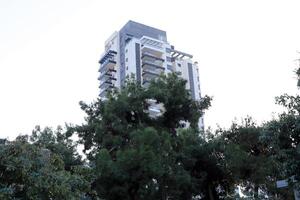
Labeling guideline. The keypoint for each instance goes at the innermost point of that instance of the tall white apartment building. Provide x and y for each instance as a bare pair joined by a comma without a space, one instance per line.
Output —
145,52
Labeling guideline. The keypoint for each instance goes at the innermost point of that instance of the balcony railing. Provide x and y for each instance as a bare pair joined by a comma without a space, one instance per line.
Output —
108,64
153,70
108,79
108,73
104,75
108,55
153,64
146,41
153,61
149,75
105,90
151,56
154,73
105,84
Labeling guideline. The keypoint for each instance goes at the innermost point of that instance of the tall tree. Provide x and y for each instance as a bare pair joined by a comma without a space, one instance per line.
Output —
250,159
283,135
134,155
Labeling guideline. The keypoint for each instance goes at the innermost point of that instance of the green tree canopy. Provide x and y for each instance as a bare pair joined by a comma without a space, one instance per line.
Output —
32,171
136,156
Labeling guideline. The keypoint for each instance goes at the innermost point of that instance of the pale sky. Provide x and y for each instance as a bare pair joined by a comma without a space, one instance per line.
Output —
49,52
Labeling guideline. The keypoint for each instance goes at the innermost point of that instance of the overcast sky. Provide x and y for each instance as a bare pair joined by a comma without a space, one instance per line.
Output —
49,52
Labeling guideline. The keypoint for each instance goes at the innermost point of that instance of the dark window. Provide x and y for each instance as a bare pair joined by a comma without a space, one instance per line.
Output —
138,62
191,79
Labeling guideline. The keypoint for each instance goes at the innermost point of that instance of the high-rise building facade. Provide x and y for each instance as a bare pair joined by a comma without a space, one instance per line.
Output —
145,52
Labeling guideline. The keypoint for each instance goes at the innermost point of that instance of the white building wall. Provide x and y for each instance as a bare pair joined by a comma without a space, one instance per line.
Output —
185,72
112,42
130,57
196,81
169,65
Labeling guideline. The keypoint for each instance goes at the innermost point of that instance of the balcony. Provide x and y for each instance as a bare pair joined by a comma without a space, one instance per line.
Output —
104,75
105,88
151,47
107,65
107,79
151,70
148,63
151,42
105,84
107,69
108,55
147,78
152,51
107,73
150,73
152,61
107,61
147,69
149,56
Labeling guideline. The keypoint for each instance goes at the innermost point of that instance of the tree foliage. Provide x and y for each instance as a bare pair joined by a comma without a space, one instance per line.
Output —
283,135
133,155
137,156
35,171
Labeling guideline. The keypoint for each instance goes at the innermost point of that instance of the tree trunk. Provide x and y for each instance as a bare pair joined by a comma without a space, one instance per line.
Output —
212,194
133,192
256,192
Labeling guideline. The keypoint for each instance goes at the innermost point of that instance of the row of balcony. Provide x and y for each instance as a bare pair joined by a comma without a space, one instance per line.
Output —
107,70
106,78
152,67
107,73
108,61
151,56
105,86
110,54
152,63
